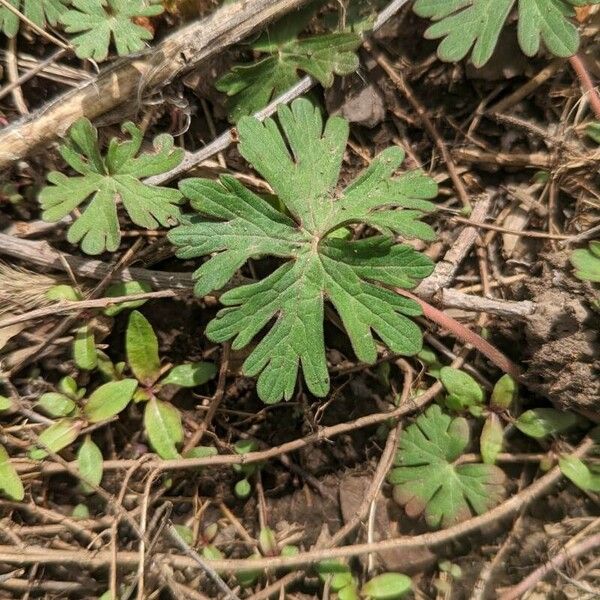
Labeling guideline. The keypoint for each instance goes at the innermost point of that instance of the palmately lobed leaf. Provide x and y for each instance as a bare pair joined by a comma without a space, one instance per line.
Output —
250,87
301,159
104,182
475,25
40,12
426,480
97,21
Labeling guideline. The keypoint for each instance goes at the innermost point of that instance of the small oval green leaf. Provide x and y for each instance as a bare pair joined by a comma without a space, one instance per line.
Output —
10,482
492,439
387,586
56,437
84,349
463,390
109,400
56,405
163,427
5,403
125,288
242,489
579,473
201,452
90,464
541,422
142,349
505,392
63,292
190,375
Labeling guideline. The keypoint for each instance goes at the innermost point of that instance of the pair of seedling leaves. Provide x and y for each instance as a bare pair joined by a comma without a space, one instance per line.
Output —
95,22
428,476
162,420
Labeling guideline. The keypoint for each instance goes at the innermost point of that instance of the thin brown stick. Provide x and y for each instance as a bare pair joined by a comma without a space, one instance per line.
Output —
66,306
13,75
523,233
196,437
408,92
413,405
511,507
556,562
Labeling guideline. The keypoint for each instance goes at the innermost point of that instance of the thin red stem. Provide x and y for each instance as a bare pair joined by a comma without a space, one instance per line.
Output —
466,335
586,83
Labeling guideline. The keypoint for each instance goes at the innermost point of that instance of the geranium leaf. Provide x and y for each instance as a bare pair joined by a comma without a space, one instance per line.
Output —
475,25
109,400
40,12
427,482
97,20
318,266
252,86
163,426
105,182
142,349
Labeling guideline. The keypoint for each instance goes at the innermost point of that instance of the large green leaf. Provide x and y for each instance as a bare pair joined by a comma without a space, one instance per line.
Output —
426,480
109,400
40,12
303,169
163,426
10,482
579,473
475,25
99,19
142,349
252,86
108,181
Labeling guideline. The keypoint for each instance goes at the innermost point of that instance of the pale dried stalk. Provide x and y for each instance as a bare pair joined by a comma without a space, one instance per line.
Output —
126,79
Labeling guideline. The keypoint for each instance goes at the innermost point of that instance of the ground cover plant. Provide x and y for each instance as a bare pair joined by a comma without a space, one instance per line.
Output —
343,344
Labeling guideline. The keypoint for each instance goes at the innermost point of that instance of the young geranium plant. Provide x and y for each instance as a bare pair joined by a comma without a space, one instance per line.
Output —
428,481
106,181
301,159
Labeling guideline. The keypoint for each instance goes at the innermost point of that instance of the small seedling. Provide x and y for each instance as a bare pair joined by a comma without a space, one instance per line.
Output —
302,161
426,480
97,20
85,353
107,181
252,86
475,25
162,420
243,488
